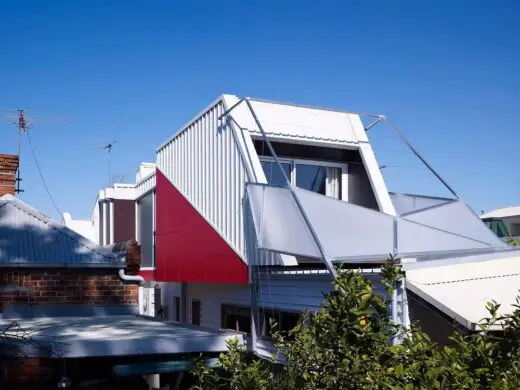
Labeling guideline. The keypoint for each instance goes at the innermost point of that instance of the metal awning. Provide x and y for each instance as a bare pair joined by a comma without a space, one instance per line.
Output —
295,221
114,335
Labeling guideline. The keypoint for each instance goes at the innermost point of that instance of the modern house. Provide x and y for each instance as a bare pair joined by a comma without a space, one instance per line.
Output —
252,202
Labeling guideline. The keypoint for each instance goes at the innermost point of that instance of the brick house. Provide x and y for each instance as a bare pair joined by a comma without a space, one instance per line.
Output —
69,306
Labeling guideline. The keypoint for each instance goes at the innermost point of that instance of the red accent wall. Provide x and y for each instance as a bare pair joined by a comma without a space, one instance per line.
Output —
187,248
124,220
148,274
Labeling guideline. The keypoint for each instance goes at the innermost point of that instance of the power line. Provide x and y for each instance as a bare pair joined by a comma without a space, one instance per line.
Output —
41,176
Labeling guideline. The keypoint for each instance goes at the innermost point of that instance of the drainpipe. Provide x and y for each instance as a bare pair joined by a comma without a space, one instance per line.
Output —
130,278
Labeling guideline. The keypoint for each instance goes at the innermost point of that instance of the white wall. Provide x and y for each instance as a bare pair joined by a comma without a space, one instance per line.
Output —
212,297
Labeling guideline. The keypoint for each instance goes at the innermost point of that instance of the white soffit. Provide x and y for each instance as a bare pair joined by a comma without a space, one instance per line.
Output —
298,122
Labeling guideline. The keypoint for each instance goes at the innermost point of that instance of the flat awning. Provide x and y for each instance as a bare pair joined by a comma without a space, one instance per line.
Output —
113,335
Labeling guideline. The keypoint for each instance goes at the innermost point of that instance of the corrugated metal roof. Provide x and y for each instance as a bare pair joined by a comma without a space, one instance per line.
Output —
462,290
503,212
299,122
30,239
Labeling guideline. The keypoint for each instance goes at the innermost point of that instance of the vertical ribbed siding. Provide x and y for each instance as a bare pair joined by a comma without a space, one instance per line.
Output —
145,185
203,161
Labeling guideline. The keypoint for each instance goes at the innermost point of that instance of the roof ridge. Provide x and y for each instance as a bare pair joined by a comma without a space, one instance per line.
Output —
471,279
62,229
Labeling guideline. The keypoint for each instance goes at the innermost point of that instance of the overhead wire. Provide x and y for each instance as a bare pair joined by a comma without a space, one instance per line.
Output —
41,175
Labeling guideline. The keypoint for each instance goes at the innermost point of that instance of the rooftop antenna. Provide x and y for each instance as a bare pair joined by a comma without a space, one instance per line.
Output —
22,128
108,147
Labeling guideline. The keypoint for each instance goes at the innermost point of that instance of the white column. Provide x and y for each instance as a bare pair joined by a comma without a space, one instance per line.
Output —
105,223
153,229
111,225
136,212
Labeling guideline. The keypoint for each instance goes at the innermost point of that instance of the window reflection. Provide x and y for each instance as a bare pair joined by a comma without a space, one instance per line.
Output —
273,173
311,177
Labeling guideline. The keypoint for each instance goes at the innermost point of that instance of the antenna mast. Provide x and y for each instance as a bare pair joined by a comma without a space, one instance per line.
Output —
22,128
108,148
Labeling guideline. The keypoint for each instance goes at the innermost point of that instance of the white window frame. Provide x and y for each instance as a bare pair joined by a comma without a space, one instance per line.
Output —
327,164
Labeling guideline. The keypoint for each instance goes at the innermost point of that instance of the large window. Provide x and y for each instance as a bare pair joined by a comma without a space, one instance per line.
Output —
236,318
318,176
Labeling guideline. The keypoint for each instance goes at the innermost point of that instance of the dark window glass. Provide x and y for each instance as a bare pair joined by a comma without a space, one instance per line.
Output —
274,320
177,309
236,318
311,177
273,173
195,312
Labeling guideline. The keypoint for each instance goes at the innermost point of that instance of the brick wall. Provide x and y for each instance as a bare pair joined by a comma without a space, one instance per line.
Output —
8,168
68,286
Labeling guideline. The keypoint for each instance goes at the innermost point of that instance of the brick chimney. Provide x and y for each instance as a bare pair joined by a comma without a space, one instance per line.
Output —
8,168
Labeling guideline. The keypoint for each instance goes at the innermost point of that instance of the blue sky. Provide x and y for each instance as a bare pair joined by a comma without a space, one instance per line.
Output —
446,72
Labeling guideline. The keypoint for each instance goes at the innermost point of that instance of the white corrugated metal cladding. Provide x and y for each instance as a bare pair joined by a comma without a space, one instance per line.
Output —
203,162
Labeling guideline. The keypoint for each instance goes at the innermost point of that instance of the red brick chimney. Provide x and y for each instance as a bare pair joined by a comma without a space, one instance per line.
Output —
8,168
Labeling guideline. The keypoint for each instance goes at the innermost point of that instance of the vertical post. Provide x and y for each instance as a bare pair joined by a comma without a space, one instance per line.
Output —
153,228
105,222
111,206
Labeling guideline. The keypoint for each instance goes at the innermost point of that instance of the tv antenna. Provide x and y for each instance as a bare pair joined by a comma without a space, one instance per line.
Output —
22,128
108,147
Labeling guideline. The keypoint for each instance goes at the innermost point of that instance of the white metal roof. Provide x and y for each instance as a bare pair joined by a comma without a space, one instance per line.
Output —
299,122
30,239
503,212
118,335
462,289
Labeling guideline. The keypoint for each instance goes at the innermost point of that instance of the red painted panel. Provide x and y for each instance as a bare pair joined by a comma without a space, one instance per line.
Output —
148,274
187,248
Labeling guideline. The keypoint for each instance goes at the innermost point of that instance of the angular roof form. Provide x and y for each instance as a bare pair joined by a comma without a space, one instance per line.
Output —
30,239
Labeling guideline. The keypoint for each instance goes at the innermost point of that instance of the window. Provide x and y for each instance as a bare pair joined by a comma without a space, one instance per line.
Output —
176,313
273,174
284,320
195,312
236,318
318,176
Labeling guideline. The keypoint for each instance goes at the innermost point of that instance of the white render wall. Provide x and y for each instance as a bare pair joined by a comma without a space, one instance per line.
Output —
212,297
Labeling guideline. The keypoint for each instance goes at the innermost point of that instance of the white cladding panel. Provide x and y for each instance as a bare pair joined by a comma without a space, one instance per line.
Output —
299,122
299,292
212,297
145,185
204,163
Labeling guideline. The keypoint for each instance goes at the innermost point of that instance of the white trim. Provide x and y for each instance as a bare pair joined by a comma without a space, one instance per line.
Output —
376,179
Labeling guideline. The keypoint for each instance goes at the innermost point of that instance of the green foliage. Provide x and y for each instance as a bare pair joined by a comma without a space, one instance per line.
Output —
347,345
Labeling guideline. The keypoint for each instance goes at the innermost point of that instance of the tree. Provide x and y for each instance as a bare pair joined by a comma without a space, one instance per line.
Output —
347,345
